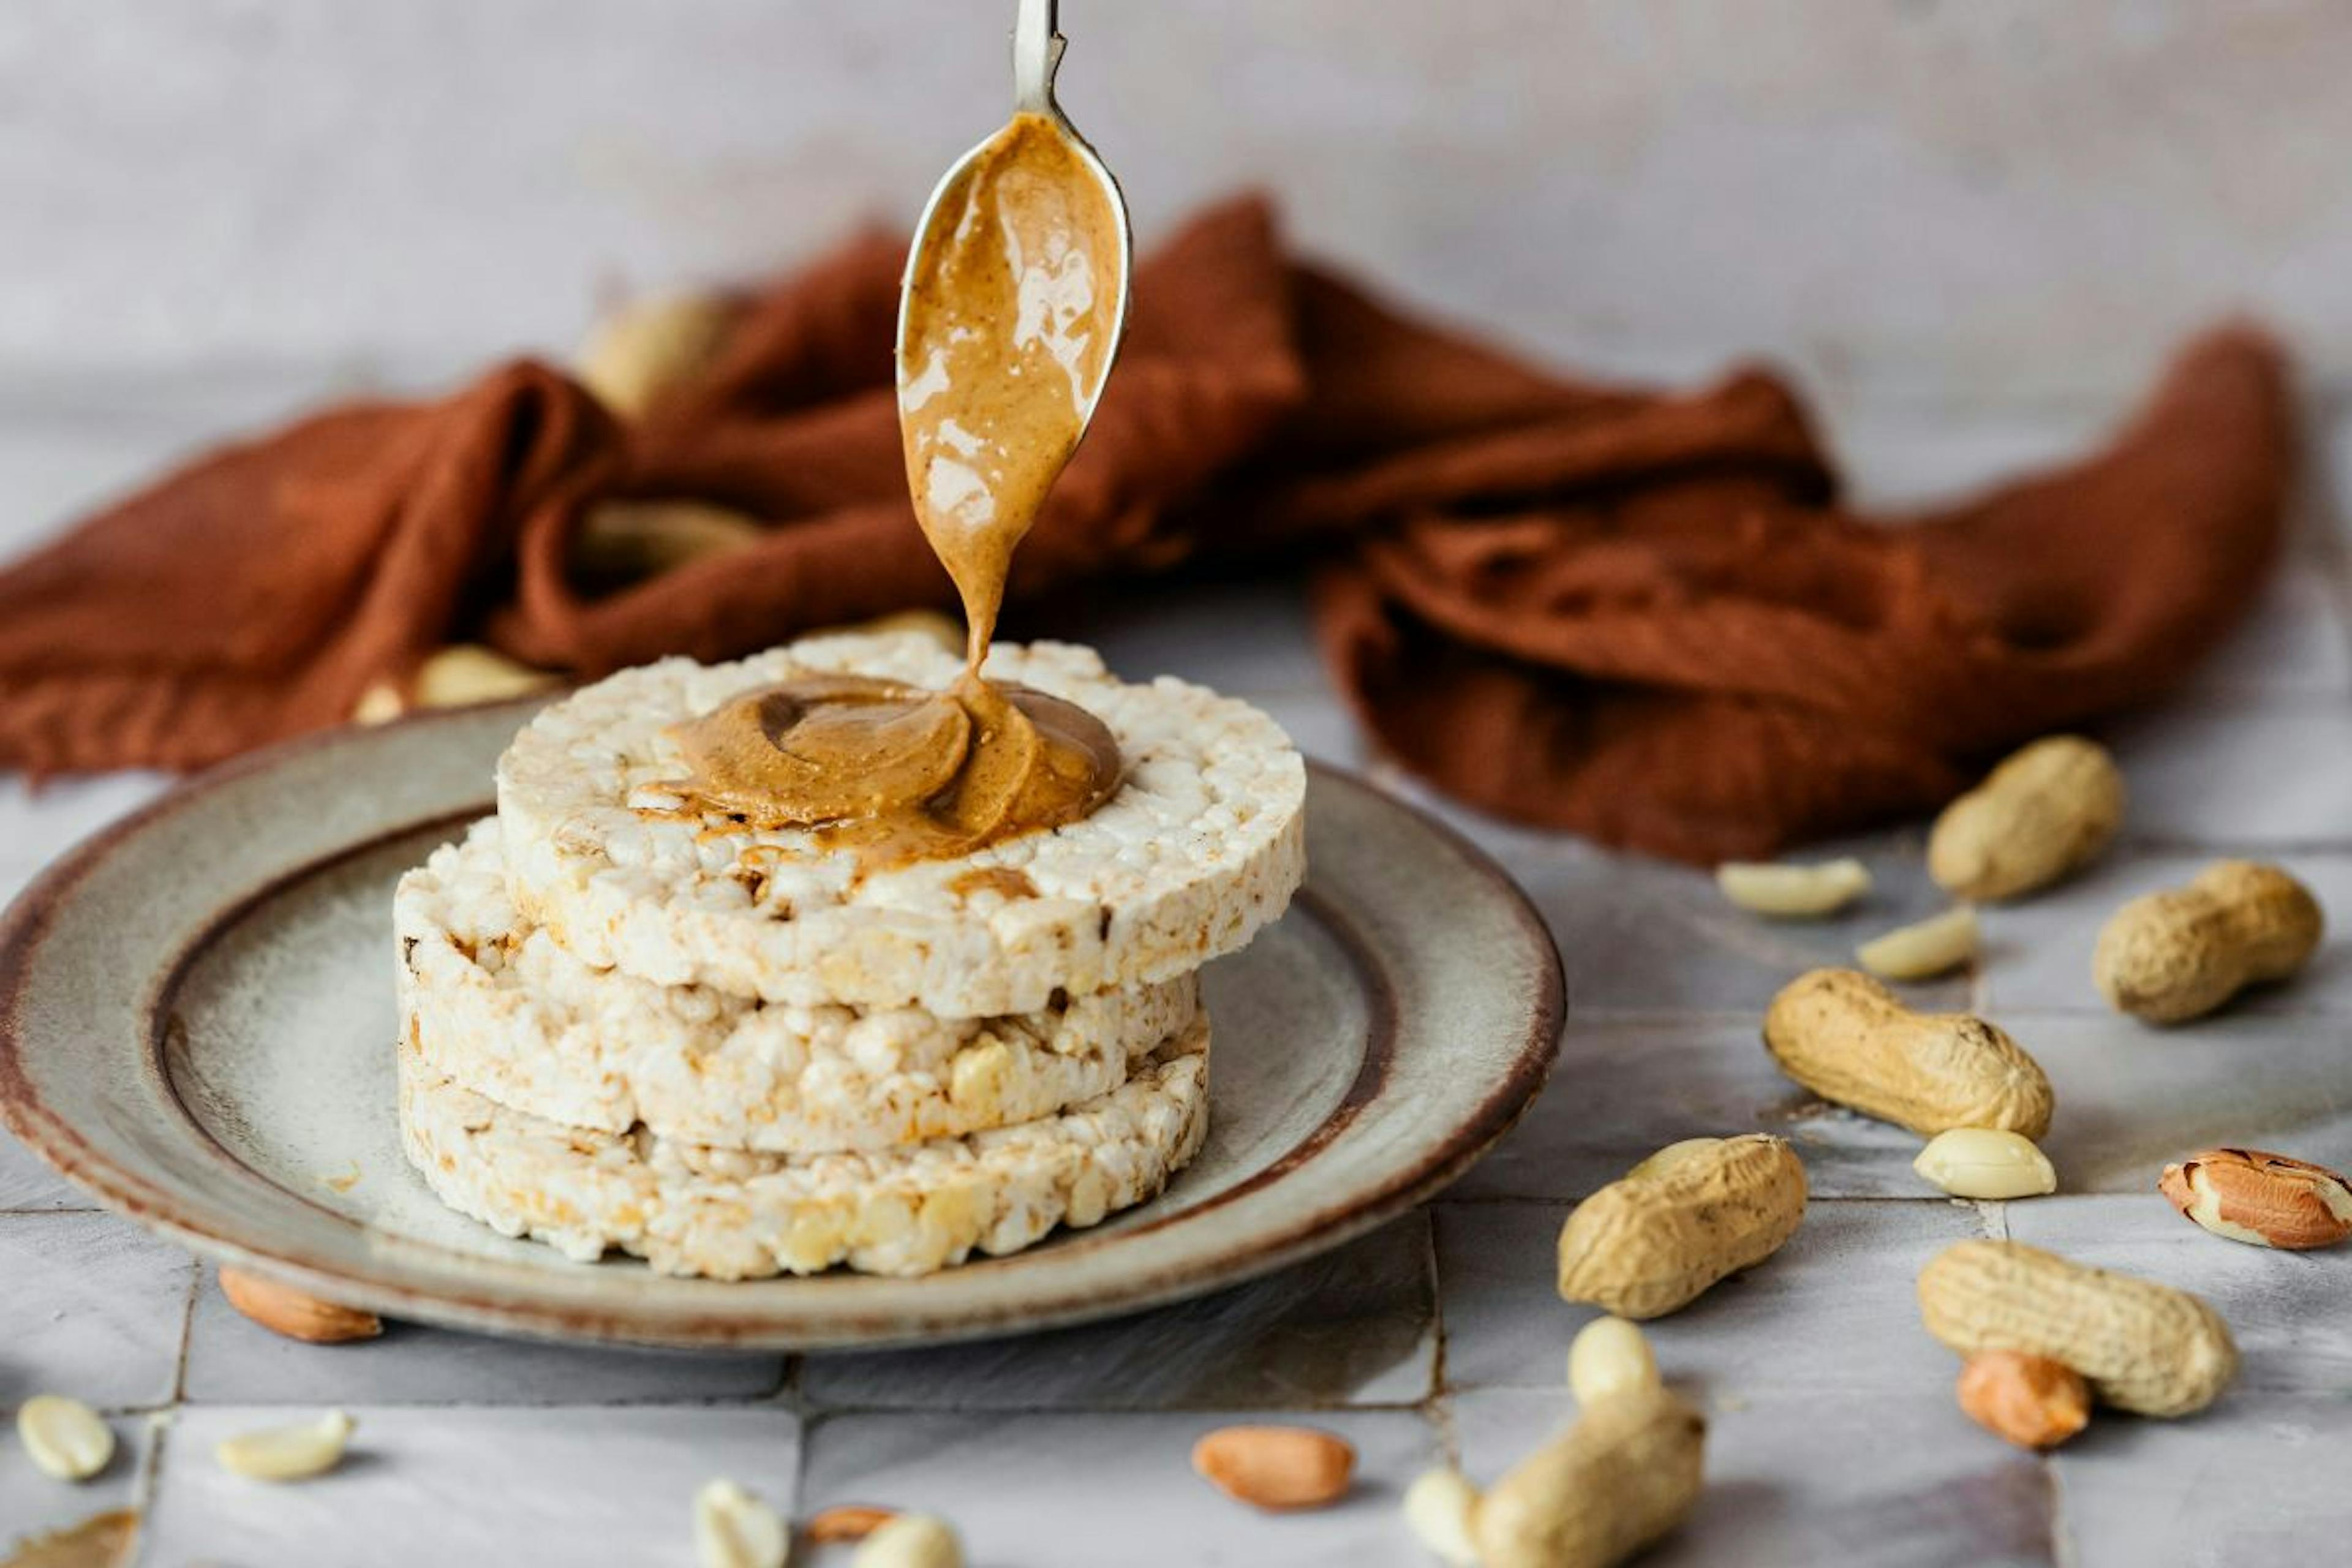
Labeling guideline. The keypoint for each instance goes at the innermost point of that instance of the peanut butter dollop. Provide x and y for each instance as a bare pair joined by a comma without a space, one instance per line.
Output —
1013,300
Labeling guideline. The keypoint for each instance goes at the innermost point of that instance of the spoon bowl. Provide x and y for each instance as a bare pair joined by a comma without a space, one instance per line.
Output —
1038,46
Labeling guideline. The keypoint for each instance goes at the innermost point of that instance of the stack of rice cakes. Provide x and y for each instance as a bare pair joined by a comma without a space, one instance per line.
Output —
725,1050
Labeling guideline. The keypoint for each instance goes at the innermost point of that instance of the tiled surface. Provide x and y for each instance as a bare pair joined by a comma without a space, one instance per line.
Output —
33,1504
1357,1326
95,1308
586,1484
1081,1491
232,1361
1833,1435
2042,948
1845,1276
1806,1478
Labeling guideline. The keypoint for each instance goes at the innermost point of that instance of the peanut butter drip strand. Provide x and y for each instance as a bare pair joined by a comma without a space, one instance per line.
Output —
1013,300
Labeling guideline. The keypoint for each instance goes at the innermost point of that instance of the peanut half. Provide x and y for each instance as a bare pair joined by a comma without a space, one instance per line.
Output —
2175,955
1985,1162
283,1310
1793,891
65,1439
1849,1039
733,1529
846,1522
2141,1346
910,1540
2047,810
1925,950
2029,1400
1276,1468
286,1453
1608,1355
1437,1508
1654,1240
1623,1476
2261,1198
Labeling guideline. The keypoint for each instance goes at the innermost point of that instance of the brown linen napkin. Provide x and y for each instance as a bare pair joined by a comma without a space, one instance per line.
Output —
1634,615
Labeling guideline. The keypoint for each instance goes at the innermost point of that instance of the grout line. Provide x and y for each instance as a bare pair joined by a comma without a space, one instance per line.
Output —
187,1333
2061,1540
1438,1411
1434,1274
148,1484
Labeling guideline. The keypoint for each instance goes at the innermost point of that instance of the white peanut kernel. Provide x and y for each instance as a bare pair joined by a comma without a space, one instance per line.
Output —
286,1453
1793,891
1608,1355
910,1540
733,1529
1986,1162
1437,1508
68,1440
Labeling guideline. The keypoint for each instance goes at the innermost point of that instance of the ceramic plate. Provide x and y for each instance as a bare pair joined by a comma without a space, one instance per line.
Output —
196,1025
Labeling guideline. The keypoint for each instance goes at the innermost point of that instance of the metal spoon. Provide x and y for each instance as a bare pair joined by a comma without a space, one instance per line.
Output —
1037,45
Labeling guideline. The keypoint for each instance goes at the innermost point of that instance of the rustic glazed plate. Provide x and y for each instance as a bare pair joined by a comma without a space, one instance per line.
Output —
196,1025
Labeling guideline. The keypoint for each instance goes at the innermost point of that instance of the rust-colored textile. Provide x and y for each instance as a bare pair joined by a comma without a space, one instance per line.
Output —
1635,614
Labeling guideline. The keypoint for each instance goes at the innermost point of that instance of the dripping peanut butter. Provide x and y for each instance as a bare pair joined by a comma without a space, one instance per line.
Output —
1013,300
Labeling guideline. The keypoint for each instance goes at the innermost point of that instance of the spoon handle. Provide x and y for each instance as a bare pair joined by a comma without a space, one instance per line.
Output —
1037,55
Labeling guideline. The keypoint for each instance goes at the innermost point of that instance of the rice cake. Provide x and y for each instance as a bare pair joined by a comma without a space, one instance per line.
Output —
1202,844
728,1214
503,1010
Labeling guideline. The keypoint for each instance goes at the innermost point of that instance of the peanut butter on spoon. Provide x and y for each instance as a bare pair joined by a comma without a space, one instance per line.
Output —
1014,299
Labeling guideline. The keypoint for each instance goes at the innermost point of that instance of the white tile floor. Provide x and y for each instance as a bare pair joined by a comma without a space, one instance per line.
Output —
1833,1440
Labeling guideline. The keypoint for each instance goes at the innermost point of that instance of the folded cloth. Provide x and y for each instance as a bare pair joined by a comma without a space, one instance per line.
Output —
1634,615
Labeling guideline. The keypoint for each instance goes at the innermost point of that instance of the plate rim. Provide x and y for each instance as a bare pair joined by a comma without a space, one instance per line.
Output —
51,1136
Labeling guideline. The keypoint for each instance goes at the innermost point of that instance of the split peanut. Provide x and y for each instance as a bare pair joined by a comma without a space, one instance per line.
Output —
286,1453
1793,891
2029,1400
1849,1039
1276,1468
1654,1240
67,1440
2178,955
1986,1162
733,1529
2048,810
2261,1198
1924,951
1608,1355
910,1540
1622,1477
1437,1508
2141,1346
282,1309
846,1522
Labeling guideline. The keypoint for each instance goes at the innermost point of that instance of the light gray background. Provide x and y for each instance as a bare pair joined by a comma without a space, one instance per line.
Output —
1971,226
1994,199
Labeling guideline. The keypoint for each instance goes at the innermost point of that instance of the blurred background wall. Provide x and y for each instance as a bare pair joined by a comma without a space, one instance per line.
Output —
1950,200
